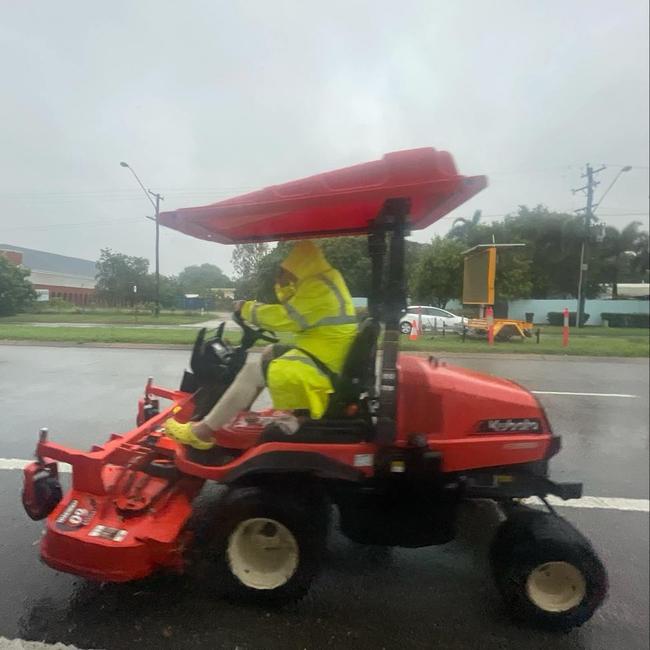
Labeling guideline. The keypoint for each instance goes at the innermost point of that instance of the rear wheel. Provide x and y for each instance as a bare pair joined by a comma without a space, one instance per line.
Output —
547,572
268,546
405,327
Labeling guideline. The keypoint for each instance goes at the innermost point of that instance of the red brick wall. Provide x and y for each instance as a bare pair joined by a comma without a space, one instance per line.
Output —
13,256
71,294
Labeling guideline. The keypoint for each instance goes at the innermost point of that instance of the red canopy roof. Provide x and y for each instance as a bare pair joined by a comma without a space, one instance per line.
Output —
340,202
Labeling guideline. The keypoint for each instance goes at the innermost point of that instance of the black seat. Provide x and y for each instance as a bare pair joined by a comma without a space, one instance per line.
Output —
358,374
340,423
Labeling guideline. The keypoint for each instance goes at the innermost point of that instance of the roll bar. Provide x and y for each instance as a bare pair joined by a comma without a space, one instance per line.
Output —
386,301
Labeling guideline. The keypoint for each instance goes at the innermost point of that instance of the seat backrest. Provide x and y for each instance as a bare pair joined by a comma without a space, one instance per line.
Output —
358,374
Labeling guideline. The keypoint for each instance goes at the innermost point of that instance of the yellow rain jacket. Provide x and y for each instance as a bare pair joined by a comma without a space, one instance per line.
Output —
319,309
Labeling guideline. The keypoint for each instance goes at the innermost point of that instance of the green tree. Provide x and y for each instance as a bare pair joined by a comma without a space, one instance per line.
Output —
552,253
117,274
247,257
623,255
513,276
201,279
16,292
438,277
170,290
255,277
350,256
261,285
247,262
553,242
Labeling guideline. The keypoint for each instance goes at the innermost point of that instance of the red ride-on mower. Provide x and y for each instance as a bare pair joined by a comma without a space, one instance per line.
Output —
395,454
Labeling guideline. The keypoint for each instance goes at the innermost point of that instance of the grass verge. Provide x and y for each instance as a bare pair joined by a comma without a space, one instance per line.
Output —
18,332
591,345
110,318
620,332
604,345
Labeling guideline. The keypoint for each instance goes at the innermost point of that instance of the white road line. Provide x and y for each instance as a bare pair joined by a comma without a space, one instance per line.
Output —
20,644
559,392
597,503
600,503
21,463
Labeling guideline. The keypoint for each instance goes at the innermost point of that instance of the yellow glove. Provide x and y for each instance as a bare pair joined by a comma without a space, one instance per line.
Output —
184,434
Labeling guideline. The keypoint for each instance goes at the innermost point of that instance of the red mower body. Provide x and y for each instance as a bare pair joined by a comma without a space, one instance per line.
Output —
120,523
474,420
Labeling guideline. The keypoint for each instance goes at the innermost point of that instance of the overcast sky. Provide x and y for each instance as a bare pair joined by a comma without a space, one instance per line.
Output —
211,99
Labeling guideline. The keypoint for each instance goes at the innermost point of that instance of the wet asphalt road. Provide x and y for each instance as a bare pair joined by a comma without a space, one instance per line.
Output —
425,598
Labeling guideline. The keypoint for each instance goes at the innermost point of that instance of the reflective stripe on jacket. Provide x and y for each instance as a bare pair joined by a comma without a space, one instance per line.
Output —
321,314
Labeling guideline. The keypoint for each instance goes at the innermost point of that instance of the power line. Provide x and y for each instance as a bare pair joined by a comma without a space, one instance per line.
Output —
123,193
210,197
90,224
568,211
630,166
127,193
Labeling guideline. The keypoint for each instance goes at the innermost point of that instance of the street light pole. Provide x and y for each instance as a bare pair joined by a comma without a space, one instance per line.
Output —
158,198
156,206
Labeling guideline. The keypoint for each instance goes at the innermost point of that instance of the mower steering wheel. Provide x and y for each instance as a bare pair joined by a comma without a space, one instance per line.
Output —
253,334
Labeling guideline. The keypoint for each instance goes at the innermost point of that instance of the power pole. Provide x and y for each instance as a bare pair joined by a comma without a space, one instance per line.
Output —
156,205
589,188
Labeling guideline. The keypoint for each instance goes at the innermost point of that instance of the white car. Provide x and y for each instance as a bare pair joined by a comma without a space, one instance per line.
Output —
433,319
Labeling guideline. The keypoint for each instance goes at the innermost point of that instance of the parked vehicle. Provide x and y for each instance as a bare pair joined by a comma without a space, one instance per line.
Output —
433,318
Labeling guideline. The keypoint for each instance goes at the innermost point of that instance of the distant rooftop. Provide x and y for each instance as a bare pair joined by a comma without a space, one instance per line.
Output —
42,261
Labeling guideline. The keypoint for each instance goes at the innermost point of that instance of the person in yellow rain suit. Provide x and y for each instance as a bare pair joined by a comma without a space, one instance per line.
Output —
315,304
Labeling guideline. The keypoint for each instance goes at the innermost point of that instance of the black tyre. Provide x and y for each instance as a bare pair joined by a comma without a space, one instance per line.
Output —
547,572
268,545
162,468
47,495
507,333
405,327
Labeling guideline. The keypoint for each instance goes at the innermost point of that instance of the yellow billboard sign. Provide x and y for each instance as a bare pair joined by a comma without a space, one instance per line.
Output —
479,276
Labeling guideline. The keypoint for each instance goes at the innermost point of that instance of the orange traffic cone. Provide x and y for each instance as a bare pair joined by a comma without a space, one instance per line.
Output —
413,336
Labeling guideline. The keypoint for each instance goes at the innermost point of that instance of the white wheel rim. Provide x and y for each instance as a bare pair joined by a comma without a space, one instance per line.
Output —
556,586
262,553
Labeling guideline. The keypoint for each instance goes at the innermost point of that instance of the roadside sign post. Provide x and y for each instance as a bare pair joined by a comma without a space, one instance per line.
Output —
565,328
419,319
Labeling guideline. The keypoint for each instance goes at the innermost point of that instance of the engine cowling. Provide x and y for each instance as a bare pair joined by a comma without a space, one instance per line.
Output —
474,419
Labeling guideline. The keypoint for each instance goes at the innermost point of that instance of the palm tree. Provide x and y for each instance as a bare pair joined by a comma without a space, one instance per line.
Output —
625,252
461,227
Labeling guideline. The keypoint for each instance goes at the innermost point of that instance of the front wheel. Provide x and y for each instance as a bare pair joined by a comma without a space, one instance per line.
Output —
268,546
547,572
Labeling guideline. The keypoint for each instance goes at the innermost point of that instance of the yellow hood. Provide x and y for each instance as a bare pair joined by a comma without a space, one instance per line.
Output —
306,259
